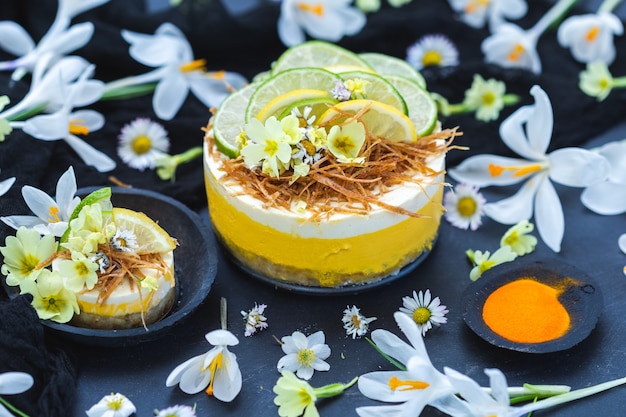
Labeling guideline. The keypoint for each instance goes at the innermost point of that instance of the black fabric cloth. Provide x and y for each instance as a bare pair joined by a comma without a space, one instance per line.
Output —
247,43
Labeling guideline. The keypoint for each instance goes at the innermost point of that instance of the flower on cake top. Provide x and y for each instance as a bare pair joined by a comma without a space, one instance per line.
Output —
432,50
528,132
609,197
59,40
476,13
304,354
51,215
114,405
464,206
268,145
590,36
216,371
254,319
513,47
345,142
142,142
425,310
328,20
295,397
176,71
355,323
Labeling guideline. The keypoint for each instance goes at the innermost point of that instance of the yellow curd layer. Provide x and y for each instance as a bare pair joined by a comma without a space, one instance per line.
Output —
323,262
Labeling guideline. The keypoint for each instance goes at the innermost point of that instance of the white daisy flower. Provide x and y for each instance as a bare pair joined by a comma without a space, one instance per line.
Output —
142,141
177,411
424,310
124,240
355,323
432,50
254,319
304,354
464,206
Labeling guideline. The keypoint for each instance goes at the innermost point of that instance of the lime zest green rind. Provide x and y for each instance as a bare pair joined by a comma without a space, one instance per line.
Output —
317,53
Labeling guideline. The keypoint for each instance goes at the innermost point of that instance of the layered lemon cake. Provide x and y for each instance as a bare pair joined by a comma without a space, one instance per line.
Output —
327,170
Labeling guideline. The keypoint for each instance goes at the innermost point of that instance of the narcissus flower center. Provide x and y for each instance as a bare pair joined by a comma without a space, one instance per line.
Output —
396,383
592,34
517,52
518,171
475,5
316,9
54,214
142,144
421,315
195,65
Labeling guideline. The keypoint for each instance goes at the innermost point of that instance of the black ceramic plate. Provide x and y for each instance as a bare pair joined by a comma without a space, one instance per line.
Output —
195,267
343,290
581,298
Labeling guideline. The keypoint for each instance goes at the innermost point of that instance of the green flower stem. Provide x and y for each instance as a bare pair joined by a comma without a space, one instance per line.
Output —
333,390
553,16
460,108
619,82
510,99
166,165
571,396
384,355
12,408
535,392
608,5
122,93
27,114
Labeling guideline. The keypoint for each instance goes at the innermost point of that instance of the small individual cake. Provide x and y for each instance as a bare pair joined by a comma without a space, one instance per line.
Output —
328,170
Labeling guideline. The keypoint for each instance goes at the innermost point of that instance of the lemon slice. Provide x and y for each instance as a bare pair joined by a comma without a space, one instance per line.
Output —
285,82
378,88
380,119
229,120
388,65
317,54
151,238
278,104
422,109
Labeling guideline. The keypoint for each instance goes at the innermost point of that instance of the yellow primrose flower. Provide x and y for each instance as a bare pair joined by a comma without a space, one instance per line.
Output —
345,142
518,238
23,253
358,87
88,230
486,96
291,128
484,261
267,146
597,81
79,272
51,299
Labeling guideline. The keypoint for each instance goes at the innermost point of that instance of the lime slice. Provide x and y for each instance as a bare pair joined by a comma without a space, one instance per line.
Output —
388,65
339,68
278,104
151,238
229,120
317,54
380,119
422,108
378,89
285,82
318,106
101,195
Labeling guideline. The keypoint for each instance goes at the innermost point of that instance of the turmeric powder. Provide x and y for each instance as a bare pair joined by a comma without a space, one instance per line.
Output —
526,311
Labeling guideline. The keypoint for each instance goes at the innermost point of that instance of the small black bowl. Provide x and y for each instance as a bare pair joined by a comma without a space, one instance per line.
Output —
582,299
195,267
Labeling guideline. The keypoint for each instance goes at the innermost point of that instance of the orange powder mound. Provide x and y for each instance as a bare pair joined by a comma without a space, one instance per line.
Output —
526,311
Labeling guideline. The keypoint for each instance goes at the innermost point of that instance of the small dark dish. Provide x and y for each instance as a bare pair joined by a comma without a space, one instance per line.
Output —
583,302
195,265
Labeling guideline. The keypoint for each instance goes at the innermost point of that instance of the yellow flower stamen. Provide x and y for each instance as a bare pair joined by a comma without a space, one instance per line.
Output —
219,75
141,144
115,404
28,264
467,206
271,148
396,383
421,315
195,65
306,357
54,214
316,9
517,52
76,128
518,171
488,98
431,58
592,34
216,363
475,5
356,322
344,144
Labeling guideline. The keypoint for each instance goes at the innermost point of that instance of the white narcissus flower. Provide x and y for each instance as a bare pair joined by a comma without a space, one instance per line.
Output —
476,13
304,354
176,71
51,215
329,20
114,405
59,40
513,47
216,371
609,197
528,132
590,36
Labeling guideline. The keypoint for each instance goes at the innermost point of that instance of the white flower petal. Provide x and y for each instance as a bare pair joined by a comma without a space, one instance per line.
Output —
621,242
38,201
16,221
382,411
576,167
14,39
615,153
228,381
605,198
475,170
316,338
221,337
88,118
72,39
15,382
71,8
549,216
169,95
375,385
90,155
392,345
65,191
540,125
290,32
210,91
5,185
47,126
516,208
